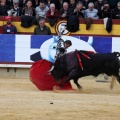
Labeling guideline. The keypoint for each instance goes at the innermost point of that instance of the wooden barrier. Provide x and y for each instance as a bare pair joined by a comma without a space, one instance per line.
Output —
97,28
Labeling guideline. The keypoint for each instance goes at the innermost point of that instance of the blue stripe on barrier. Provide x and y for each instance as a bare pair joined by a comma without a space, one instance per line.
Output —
7,48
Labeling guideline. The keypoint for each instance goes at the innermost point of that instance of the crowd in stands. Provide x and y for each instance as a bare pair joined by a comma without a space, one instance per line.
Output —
97,9
62,9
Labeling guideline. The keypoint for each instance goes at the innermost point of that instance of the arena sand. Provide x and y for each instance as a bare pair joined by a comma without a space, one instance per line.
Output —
21,100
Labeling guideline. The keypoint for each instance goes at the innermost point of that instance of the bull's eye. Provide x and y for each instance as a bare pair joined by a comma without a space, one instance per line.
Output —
54,47
53,73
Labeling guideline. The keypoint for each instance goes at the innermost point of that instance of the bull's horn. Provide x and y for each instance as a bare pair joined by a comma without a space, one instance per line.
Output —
48,74
51,68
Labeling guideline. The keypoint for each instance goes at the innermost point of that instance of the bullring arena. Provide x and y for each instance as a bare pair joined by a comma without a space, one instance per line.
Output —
21,100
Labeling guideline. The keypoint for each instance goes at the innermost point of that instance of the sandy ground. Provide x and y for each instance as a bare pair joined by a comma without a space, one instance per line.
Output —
21,100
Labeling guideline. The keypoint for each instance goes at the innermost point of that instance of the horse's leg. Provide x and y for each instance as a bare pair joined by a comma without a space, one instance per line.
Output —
78,85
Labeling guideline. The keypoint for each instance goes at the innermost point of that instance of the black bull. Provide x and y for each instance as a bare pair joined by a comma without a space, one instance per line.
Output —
77,64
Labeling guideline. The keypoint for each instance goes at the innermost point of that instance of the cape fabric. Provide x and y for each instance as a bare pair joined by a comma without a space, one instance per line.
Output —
38,75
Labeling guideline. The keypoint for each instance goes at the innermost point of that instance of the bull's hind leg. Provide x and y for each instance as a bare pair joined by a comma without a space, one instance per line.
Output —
78,85
112,82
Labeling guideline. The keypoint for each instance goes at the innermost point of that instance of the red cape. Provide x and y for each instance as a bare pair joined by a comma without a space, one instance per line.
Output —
42,81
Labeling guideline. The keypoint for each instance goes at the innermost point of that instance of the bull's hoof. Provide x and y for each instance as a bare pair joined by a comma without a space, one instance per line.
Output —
61,85
111,87
56,88
80,88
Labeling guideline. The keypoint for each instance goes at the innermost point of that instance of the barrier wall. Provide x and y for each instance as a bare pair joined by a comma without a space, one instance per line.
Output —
25,49
97,28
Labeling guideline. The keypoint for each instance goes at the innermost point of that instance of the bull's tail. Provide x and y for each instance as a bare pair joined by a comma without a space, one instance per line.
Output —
116,54
119,65
118,78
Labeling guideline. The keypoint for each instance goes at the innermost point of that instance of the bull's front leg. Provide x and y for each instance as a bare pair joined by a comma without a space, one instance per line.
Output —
76,82
71,75
66,80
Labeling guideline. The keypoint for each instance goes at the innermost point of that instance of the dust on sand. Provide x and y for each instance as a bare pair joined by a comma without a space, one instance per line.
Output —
21,100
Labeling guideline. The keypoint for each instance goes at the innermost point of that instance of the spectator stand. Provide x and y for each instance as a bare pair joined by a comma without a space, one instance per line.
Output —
97,27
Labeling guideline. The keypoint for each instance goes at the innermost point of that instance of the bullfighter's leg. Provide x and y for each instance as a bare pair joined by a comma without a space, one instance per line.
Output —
78,85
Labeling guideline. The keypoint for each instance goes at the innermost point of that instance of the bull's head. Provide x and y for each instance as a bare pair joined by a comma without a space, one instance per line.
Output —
57,71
